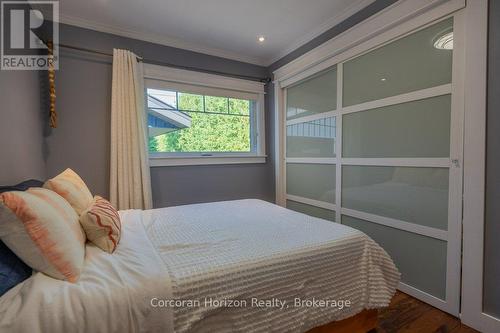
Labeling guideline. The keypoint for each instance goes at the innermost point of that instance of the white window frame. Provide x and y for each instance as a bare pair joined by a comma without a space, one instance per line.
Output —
394,21
208,84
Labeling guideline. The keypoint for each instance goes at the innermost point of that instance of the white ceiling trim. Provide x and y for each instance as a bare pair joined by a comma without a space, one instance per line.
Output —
330,23
195,47
158,39
370,31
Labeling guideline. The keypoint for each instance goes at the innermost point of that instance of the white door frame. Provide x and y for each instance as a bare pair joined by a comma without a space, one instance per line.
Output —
395,20
474,168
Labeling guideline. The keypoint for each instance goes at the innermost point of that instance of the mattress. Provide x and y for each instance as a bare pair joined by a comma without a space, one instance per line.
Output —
237,253
234,266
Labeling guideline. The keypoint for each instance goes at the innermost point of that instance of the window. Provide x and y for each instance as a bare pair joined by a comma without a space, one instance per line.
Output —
203,124
191,123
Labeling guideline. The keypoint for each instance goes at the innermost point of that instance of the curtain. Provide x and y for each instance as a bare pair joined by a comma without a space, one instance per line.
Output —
130,182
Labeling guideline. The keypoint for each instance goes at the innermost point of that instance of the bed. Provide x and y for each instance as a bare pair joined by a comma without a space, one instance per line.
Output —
232,266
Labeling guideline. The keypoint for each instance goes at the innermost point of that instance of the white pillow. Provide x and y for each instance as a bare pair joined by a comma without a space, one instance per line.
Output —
72,188
42,229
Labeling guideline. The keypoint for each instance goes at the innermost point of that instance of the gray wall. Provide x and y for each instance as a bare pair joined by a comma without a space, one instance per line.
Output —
21,127
82,140
492,227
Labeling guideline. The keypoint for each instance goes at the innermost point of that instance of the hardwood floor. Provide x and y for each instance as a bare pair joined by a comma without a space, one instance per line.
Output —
407,314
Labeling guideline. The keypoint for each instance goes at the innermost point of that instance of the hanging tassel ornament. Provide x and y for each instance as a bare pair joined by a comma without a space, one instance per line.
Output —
52,86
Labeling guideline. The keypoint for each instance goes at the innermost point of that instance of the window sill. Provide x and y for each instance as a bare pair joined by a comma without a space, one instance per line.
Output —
158,161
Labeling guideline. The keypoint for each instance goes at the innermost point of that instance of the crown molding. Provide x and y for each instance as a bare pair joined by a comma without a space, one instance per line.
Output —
195,47
368,31
327,25
158,39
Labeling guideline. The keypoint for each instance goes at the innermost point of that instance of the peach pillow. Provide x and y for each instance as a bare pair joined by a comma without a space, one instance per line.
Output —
72,188
102,225
42,229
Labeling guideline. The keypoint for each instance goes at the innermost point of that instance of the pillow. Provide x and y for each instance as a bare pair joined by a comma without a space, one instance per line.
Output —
72,188
102,225
22,186
12,269
42,229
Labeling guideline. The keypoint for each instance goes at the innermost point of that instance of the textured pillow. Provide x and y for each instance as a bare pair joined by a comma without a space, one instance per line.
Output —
102,225
72,188
42,229
12,269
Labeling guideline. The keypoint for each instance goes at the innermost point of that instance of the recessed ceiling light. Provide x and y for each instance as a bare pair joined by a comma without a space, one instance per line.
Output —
261,39
444,42
383,79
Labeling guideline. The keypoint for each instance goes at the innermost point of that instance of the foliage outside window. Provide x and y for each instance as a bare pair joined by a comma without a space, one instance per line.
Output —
182,122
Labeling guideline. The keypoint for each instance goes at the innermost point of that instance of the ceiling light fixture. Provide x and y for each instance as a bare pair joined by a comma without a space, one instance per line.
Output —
445,42
261,39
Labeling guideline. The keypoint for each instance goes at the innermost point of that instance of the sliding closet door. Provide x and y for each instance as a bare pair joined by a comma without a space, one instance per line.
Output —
377,140
401,159
311,133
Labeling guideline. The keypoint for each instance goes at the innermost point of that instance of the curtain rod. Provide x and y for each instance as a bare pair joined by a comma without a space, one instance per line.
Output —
240,76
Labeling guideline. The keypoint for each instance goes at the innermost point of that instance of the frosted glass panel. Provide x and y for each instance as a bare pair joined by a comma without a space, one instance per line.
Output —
313,181
311,210
408,64
416,195
314,95
420,259
311,139
414,129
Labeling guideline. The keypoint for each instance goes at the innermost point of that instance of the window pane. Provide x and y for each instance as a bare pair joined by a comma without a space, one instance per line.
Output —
162,99
420,259
190,102
408,64
190,129
203,132
239,106
216,104
311,139
416,195
414,129
313,181
315,95
311,210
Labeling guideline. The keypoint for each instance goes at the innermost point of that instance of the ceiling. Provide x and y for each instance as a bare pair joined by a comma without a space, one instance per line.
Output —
225,28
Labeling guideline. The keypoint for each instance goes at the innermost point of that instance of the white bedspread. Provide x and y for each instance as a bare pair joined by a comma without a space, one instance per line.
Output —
112,295
250,250
234,251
